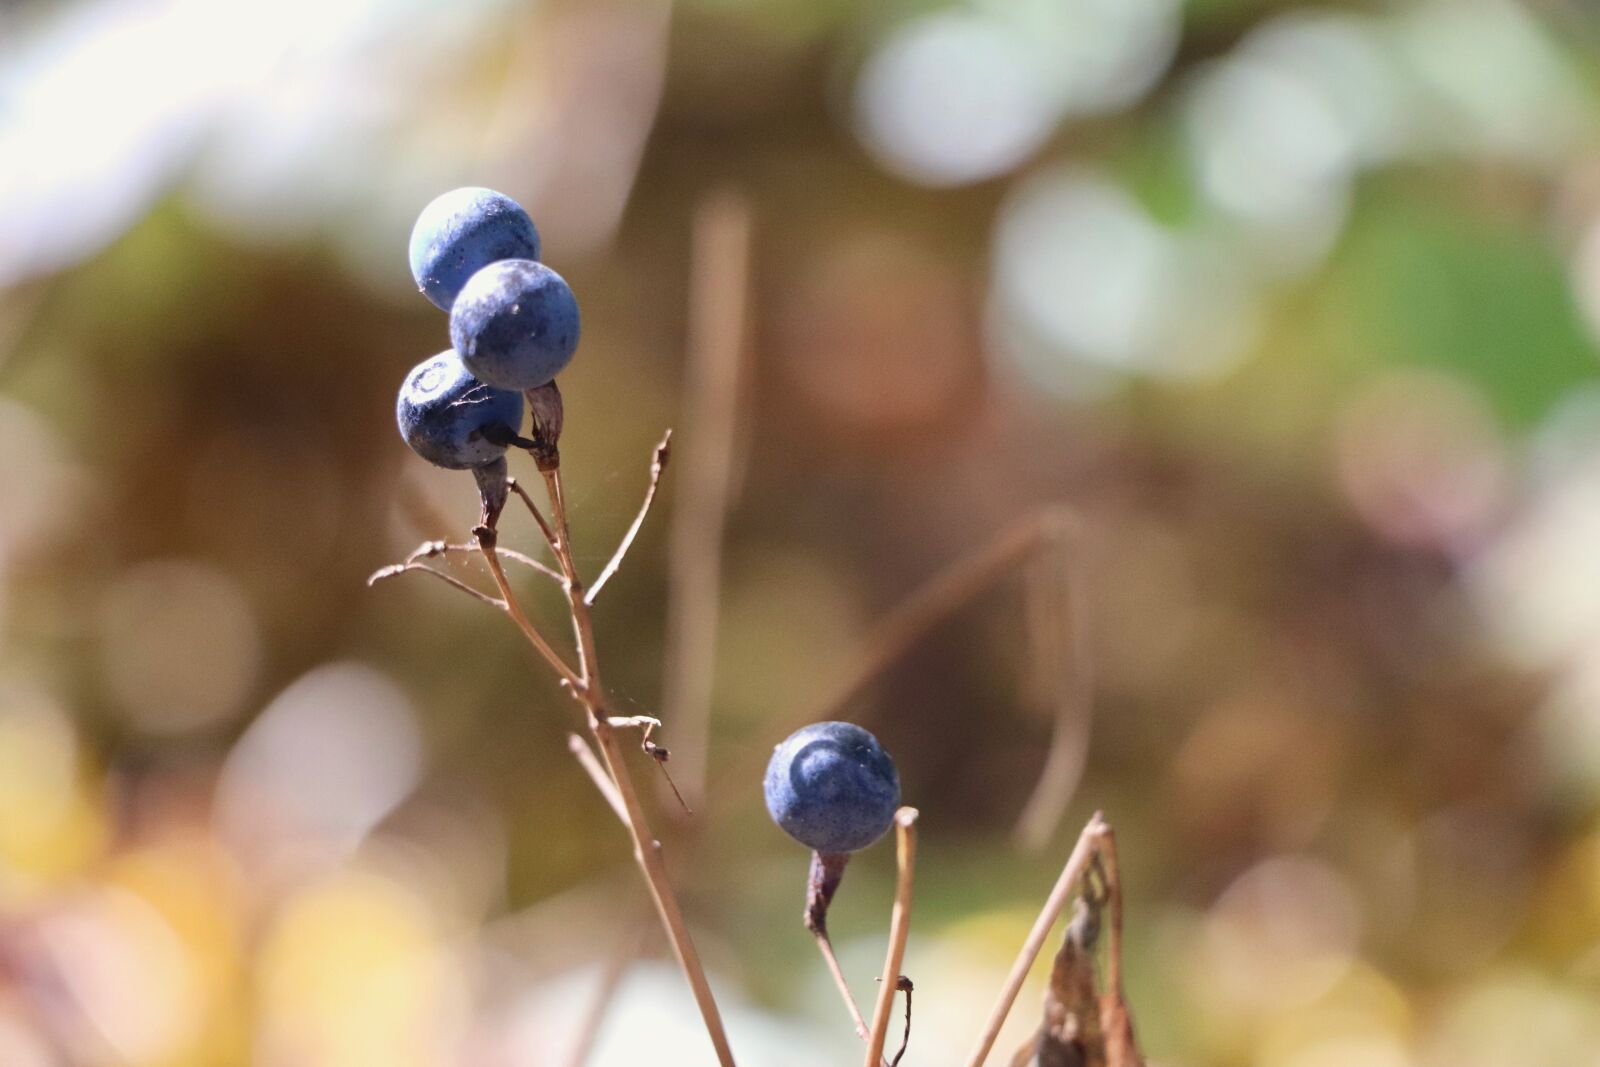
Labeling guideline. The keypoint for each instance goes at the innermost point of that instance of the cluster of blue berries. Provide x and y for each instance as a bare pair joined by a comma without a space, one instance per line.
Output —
513,327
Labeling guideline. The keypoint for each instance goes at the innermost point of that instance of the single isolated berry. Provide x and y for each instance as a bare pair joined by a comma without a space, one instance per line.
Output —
832,787
463,231
515,324
451,419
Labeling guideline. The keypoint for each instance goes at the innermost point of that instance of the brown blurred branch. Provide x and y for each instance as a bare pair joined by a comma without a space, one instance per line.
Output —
940,597
1057,593
719,294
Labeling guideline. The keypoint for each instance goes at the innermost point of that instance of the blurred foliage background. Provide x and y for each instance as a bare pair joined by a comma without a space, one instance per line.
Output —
1296,304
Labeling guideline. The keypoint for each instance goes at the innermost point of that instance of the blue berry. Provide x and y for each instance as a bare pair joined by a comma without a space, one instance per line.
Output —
832,787
463,231
444,412
515,324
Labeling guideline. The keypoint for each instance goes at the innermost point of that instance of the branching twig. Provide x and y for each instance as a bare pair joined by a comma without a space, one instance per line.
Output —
658,464
646,849
718,295
1083,853
431,549
434,549
486,538
394,570
905,821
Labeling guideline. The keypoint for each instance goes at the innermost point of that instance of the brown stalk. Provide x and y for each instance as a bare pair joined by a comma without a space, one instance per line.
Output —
646,849
905,821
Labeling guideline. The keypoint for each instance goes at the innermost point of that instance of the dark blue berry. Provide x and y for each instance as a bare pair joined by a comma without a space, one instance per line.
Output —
463,231
832,787
515,324
448,417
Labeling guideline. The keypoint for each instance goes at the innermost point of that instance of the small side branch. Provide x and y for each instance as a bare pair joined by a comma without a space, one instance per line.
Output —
658,464
529,630
394,570
434,549
597,774
905,822
538,516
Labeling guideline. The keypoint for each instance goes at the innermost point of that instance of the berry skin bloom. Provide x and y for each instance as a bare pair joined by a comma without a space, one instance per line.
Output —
832,787
443,412
515,324
461,232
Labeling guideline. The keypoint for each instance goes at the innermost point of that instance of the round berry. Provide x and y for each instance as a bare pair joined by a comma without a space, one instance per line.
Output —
832,787
463,231
515,324
444,412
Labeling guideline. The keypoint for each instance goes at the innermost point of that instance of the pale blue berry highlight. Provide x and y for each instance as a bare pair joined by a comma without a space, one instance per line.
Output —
515,324
463,231
832,787
444,412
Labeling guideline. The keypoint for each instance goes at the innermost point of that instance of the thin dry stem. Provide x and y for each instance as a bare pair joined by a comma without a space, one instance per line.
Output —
394,570
1077,863
530,631
597,774
646,849
1058,593
905,821
432,549
533,509
658,464
825,946
718,297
